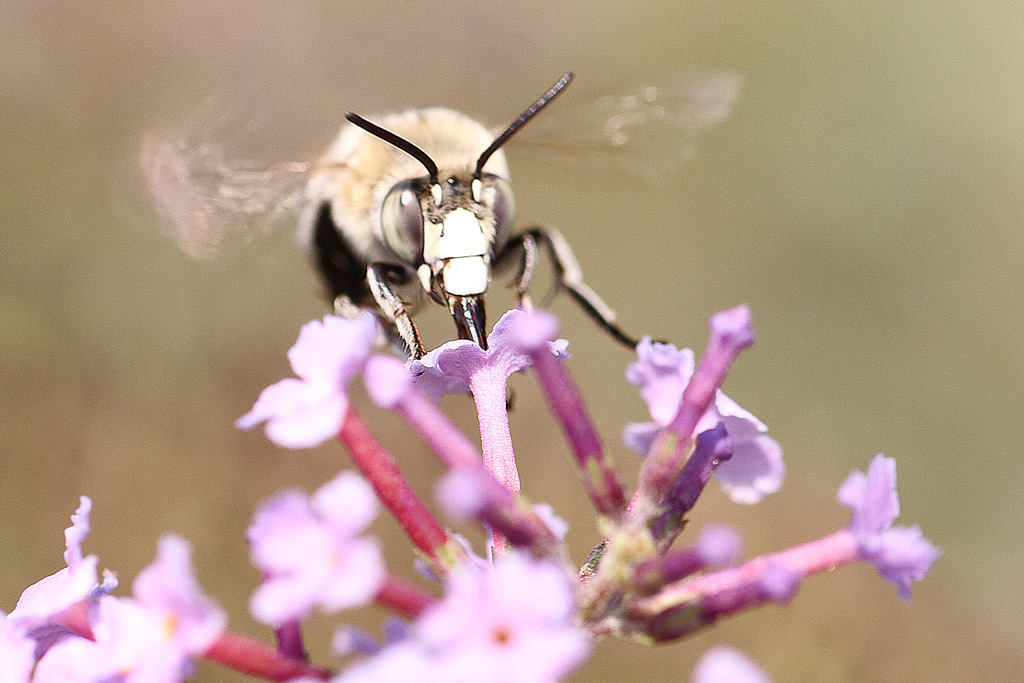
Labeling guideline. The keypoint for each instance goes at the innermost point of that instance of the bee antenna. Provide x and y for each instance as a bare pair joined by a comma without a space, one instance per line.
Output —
523,118
399,142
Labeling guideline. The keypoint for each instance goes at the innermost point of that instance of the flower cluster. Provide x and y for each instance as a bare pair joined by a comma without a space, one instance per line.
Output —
81,633
522,611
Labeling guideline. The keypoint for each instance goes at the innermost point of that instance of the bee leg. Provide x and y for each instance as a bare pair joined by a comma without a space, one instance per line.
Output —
569,276
527,264
377,277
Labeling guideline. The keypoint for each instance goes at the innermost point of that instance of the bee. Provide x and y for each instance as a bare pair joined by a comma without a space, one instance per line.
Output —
415,204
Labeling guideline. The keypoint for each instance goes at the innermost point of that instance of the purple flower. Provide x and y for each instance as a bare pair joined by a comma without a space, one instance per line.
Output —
305,412
55,593
872,497
662,373
722,664
149,639
900,554
461,365
311,553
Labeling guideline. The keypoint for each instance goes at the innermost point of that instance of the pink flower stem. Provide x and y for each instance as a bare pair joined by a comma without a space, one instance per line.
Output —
488,387
391,486
683,607
565,400
405,598
501,510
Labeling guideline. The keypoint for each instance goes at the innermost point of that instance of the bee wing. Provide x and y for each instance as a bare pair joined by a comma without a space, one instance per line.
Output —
648,130
207,194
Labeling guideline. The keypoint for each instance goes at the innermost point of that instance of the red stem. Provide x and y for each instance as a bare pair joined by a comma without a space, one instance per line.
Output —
256,659
403,597
566,401
391,486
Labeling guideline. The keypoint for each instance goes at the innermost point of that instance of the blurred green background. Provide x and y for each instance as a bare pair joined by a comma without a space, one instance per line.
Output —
864,198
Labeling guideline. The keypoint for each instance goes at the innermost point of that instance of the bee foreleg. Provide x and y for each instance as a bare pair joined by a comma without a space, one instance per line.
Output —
393,308
526,247
569,276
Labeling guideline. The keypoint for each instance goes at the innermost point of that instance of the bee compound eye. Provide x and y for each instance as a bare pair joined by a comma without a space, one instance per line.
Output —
402,221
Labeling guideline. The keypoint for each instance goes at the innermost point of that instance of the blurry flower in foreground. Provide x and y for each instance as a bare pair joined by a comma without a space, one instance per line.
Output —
399,663
722,664
305,412
512,622
900,554
168,588
311,552
662,372
151,638
718,545
50,596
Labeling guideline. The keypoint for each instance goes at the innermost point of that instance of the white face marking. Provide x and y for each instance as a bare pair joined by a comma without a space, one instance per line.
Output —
461,235
476,187
466,276
435,192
